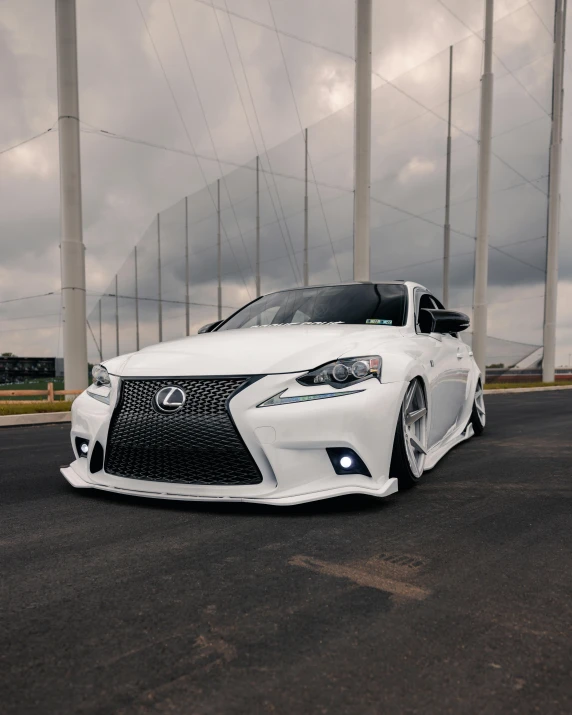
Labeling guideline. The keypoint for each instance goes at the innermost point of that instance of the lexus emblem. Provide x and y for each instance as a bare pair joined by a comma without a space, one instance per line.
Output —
170,399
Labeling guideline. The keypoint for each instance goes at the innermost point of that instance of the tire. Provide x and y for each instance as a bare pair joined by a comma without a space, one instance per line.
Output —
478,414
410,443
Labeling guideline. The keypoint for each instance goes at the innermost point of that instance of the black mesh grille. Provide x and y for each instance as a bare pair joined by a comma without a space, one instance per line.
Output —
196,445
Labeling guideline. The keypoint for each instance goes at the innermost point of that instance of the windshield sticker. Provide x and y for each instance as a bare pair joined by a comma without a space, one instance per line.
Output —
377,321
280,325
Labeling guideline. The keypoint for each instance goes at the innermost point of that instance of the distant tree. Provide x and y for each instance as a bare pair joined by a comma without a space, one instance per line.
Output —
8,355
496,364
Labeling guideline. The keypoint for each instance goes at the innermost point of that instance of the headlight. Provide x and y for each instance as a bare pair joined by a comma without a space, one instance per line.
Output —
100,376
343,372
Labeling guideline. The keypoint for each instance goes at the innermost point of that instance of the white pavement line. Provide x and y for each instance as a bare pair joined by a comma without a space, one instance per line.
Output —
40,418
528,389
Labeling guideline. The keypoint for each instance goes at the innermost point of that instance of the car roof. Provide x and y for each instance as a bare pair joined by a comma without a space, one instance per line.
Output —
349,283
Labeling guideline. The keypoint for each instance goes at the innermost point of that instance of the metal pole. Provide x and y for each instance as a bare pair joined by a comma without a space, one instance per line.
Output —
258,227
219,252
362,141
187,305
136,302
447,227
71,246
116,317
306,273
159,293
551,289
100,334
483,190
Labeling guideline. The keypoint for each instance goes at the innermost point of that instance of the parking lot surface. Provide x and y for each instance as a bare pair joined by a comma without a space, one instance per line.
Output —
454,597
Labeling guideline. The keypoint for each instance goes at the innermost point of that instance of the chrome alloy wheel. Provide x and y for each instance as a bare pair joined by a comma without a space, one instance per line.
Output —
480,404
414,421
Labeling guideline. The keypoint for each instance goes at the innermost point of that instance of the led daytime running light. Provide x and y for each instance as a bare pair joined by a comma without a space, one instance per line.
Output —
279,400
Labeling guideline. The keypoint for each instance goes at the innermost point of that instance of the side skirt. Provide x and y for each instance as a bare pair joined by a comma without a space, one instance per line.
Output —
441,449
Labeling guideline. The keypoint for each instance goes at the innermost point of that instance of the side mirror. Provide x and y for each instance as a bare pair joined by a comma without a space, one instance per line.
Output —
209,327
443,321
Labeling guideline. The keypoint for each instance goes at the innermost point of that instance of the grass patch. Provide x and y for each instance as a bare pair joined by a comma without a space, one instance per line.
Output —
508,385
28,408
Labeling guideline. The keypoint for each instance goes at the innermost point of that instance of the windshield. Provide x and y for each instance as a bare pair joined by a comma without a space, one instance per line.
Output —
360,304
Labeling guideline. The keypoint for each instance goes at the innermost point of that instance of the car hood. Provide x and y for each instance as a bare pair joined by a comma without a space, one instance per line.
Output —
254,351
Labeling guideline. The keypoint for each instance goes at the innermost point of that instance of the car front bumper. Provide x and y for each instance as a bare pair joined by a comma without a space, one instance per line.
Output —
287,441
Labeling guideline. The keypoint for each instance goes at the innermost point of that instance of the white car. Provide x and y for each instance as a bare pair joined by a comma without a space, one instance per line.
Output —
301,395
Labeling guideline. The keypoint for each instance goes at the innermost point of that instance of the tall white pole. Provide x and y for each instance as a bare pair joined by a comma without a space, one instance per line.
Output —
71,246
258,286
362,141
551,290
447,227
159,287
116,317
483,190
187,275
136,301
100,335
306,234
219,253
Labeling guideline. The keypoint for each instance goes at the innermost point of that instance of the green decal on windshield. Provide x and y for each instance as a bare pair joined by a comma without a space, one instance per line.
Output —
377,321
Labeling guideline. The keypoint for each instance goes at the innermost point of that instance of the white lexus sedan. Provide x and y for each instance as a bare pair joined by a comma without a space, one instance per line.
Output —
301,395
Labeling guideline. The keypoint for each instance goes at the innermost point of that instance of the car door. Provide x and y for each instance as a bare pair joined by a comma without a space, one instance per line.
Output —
442,356
459,367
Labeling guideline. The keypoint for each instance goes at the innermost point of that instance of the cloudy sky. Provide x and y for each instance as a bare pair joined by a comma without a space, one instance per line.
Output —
177,94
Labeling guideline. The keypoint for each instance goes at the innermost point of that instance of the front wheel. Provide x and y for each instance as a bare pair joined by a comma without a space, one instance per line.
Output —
478,414
410,443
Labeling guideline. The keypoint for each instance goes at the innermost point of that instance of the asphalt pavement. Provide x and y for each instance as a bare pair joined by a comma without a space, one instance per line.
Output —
454,597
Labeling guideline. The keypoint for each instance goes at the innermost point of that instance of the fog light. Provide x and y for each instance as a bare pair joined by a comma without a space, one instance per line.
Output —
82,446
345,461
